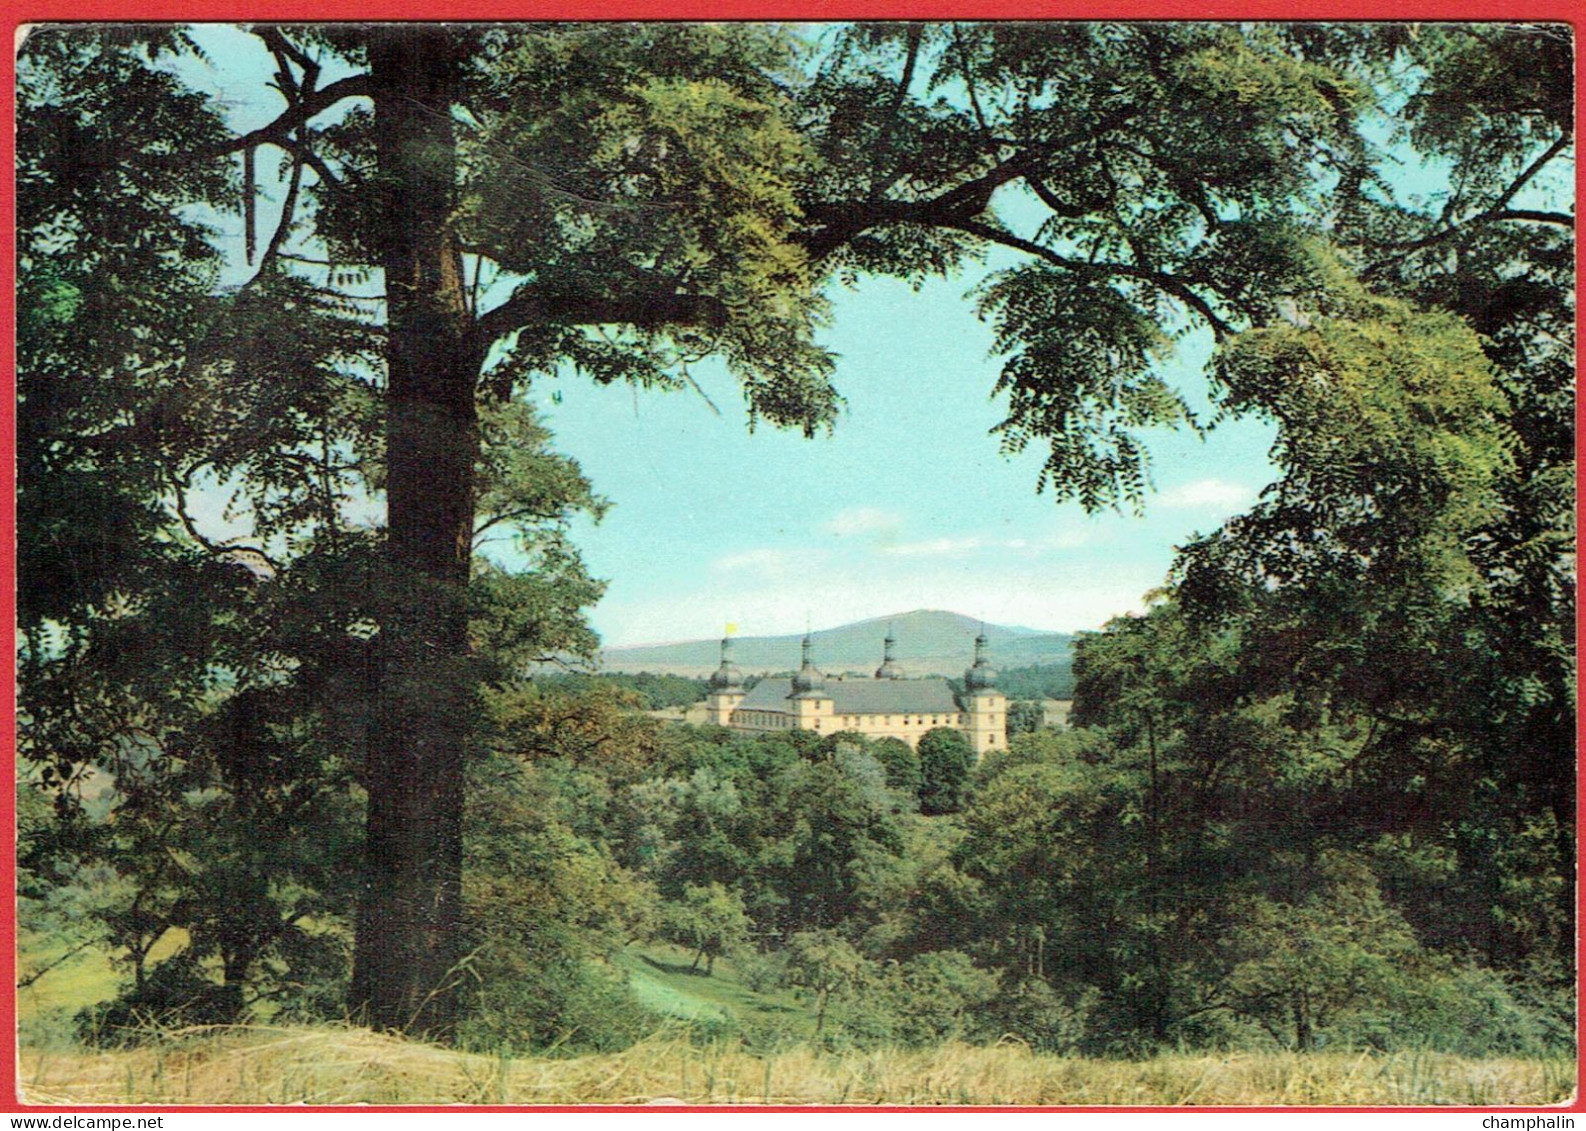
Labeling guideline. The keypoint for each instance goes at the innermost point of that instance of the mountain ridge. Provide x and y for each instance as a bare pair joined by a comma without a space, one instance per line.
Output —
929,642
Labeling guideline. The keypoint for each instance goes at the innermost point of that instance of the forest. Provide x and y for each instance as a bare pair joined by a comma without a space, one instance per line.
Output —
289,763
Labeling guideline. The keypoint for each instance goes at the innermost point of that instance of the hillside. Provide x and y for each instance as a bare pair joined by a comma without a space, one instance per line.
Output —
929,642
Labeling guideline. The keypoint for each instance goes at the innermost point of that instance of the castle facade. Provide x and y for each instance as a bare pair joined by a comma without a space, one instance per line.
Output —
887,706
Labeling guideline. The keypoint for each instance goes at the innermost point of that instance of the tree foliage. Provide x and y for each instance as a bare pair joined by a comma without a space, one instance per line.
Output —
945,761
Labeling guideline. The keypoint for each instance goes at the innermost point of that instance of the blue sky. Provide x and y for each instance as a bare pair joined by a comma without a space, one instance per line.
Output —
908,504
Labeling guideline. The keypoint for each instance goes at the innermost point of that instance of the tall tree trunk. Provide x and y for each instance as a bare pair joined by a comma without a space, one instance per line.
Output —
407,947
1304,1038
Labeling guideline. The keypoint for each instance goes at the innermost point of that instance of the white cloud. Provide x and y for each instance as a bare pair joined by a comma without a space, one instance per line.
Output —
1071,539
1206,494
934,548
773,590
863,520
770,563
764,561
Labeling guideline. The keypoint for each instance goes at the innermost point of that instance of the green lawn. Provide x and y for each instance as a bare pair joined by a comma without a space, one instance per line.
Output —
46,1006
658,974
661,979
82,979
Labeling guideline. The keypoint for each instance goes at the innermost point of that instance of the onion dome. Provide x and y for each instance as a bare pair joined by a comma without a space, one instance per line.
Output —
727,677
809,679
889,667
981,677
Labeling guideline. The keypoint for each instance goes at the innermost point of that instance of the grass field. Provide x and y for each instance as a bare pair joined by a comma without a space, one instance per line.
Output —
352,1066
664,982
343,1065
67,980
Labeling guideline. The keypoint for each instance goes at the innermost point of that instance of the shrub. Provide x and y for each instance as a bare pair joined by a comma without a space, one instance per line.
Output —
554,999
1032,1011
175,994
940,996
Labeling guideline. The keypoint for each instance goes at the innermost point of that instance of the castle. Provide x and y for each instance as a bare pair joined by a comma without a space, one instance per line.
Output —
888,706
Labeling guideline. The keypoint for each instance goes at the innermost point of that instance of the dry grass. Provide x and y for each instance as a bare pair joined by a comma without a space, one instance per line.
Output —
354,1066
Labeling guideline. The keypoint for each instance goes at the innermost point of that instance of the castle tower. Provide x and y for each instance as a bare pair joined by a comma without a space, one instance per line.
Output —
889,667
986,706
726,687
812,707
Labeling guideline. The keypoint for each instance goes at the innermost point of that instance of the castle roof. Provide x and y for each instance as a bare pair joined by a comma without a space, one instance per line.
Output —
982,676
862,696
809,681
727,677
889,667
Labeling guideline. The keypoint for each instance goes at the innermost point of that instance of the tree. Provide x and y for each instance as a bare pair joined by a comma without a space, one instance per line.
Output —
207,695
1025,717
1293,968
945,761
386,195
710,921
546,910
940,996
901,763
502,192
824,962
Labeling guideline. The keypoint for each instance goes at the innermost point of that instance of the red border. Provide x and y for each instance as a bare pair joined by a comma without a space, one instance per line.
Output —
20,12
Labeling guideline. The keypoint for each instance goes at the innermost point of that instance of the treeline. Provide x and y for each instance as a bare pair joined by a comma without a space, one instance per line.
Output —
657,691
1034,682
653,691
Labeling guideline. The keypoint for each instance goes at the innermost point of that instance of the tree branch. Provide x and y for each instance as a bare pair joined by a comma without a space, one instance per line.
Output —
279,132
1060,207
288,209
1163,280
27,980
889,127
1535,216
839,222
314,161
1559,145
644,310
179,484
969,79
1496,212
281,47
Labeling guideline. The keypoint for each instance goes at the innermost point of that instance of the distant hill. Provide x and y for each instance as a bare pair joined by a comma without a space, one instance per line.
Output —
929,642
